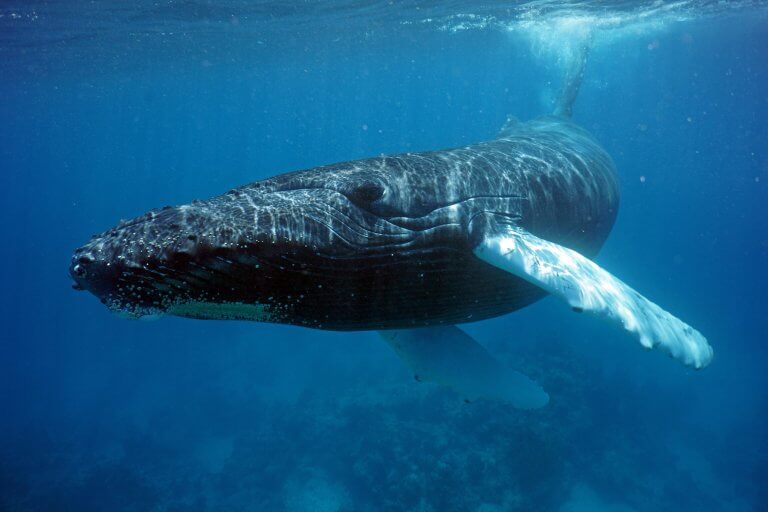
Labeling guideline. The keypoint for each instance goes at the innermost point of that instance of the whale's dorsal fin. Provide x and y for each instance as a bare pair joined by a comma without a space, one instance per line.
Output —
448,356
509,127
587,287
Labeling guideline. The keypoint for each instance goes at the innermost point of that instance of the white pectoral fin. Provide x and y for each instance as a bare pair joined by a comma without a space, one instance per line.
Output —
448,356
587,287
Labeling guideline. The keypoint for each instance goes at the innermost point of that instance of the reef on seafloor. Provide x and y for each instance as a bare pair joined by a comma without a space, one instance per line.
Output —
398,446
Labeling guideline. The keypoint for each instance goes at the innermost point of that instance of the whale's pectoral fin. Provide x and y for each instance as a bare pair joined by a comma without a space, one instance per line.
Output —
587,287
448,356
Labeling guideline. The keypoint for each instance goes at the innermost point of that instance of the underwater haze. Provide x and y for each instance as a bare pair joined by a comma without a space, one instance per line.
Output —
109,109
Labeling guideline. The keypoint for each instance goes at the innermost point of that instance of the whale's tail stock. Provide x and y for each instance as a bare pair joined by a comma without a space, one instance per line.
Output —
574,53
574,75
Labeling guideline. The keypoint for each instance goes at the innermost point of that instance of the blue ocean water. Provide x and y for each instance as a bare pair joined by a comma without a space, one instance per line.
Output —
110,109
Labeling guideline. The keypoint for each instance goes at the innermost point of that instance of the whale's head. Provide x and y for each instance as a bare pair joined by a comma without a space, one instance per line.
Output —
377,243
260,251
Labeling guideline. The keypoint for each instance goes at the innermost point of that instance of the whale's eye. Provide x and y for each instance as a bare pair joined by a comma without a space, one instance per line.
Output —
366,193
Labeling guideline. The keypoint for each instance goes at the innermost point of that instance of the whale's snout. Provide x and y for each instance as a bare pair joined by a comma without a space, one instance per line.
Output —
128,266
79,269
92,271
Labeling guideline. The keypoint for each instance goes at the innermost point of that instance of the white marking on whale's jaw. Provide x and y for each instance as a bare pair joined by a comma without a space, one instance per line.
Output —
152,317
223,311
147,315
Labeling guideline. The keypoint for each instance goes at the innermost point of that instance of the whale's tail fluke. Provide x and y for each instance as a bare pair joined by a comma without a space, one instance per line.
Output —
573,77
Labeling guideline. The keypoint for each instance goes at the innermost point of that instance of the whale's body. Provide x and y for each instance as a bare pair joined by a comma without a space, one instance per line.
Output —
407,244
378,243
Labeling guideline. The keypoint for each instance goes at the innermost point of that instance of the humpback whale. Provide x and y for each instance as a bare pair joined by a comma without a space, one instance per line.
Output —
409,245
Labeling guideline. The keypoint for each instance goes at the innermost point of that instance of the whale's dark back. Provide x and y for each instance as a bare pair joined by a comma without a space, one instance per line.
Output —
370,244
